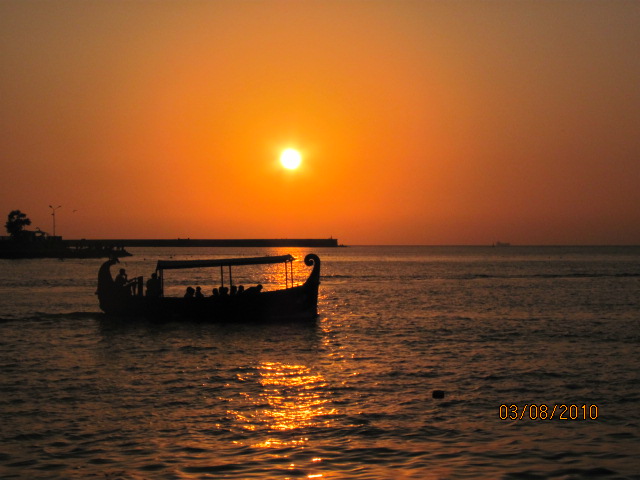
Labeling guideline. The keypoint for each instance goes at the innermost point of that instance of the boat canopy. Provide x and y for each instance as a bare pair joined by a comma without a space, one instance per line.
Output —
223,262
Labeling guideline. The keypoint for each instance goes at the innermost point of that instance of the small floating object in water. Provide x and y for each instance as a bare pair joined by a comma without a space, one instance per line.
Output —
437,394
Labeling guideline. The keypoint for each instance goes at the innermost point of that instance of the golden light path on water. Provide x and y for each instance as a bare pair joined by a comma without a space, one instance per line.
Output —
291,399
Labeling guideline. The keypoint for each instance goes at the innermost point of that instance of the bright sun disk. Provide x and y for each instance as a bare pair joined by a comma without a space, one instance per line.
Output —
290,159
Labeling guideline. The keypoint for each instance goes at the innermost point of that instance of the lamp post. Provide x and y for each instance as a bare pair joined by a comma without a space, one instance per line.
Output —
53,214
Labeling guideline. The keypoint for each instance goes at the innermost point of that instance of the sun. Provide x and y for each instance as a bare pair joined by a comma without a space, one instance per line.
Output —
290,159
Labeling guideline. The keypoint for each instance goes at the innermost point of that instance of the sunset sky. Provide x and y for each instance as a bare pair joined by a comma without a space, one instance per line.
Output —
418,122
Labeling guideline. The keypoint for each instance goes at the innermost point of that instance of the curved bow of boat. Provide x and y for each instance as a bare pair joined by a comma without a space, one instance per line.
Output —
105,280
313,260
106,285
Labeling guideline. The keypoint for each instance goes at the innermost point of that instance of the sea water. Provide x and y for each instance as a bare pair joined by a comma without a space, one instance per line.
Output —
533,349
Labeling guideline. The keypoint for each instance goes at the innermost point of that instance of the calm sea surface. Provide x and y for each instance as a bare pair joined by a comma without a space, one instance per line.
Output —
548,336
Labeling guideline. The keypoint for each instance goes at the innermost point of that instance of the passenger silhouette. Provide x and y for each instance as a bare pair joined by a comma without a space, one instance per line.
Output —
153,286
189,293
122,282
254,290
121,278
199,293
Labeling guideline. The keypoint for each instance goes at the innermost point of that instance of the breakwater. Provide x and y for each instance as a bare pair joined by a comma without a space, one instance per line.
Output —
188,242
57,248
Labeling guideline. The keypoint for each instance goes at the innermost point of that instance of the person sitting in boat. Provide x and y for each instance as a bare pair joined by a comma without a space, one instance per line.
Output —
123,283
153,286
121,278
234,290
199,293
215,292
224,292
240,289
189,293
254,290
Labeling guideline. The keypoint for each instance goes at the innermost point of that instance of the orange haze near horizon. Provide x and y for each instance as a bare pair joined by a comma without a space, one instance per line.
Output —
419,122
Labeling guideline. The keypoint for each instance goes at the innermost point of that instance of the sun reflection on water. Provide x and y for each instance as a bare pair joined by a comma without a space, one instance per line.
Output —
292,398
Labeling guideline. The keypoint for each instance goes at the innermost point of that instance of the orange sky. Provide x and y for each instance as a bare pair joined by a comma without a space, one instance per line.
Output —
420,122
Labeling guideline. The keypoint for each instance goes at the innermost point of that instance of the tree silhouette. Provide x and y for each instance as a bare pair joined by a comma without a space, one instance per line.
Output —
16,221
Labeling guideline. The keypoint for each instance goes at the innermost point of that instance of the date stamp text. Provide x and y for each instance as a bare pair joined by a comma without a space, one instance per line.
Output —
548,412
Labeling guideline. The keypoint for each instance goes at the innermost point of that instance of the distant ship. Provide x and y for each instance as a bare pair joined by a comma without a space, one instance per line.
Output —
501,244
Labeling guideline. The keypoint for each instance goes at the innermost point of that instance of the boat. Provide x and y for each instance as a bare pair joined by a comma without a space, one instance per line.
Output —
295,302
502,244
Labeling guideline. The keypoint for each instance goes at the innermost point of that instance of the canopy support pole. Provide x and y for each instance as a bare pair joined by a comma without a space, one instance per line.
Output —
286,276
291,266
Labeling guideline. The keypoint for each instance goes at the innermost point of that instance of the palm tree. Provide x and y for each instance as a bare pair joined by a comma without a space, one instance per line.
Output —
16,222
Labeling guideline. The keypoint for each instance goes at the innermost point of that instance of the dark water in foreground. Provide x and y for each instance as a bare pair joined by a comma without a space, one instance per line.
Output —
84,396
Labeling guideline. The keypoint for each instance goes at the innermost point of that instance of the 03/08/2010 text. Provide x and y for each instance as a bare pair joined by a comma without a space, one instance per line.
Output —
548,412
